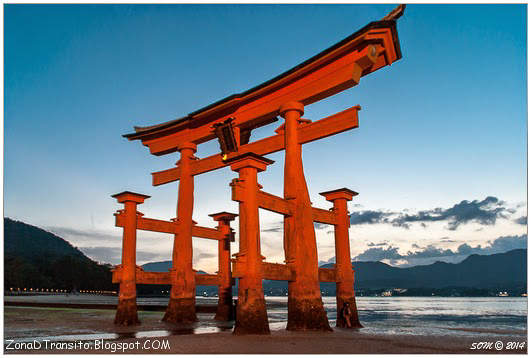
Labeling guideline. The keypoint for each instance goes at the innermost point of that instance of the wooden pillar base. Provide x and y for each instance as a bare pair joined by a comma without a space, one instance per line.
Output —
180,310
225,311
307,314
126,312
251,316
354,319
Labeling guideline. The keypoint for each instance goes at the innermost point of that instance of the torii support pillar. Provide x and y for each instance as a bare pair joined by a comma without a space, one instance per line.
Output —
225,310
305,305
181,307
251,314
126,312
345,274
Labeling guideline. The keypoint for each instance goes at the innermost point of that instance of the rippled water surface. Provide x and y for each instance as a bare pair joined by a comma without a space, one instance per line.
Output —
428,315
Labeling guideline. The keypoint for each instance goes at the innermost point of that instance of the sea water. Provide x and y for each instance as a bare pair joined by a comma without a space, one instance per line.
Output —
426,315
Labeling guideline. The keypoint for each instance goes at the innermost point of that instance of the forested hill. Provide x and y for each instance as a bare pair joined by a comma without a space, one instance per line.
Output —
35,258
31,242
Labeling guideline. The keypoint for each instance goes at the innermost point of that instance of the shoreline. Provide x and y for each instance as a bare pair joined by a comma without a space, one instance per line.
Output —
156,296
102,306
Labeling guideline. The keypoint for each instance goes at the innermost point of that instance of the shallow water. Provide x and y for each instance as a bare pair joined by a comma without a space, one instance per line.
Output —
455,316
440,315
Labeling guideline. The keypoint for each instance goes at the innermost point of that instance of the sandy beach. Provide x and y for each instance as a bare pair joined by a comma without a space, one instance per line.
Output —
337,342
92,331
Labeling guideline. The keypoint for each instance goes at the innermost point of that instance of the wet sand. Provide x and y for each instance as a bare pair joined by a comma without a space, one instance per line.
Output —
68,324
76,325
283,342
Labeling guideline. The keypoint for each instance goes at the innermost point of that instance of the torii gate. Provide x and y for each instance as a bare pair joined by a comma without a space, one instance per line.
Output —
231,121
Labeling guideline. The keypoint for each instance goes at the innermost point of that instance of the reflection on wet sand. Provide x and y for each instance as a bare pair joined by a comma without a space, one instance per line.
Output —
381,315
126,335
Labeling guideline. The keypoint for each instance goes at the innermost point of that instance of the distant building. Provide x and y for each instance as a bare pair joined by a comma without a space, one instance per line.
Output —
399,290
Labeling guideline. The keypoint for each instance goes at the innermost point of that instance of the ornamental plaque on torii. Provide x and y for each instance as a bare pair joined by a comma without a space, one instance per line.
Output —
231,121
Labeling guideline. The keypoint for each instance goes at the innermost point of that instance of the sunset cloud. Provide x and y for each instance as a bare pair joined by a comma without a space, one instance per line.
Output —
428,253
484,212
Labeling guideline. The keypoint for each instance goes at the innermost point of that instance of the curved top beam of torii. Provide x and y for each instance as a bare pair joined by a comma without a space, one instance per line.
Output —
327,73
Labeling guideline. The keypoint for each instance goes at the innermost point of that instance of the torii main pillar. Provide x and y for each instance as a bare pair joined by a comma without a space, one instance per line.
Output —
305,305
251,314
181,307
225,310
126,312
345,283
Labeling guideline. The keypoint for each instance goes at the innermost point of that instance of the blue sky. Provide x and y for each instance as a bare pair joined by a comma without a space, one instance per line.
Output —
444,124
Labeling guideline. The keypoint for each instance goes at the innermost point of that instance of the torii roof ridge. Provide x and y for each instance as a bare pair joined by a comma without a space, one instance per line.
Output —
388,21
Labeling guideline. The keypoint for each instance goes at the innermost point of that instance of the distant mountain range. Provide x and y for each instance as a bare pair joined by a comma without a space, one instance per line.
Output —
505,270
36,258
161,266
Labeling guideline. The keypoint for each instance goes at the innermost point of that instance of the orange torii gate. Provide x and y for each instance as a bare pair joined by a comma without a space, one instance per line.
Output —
231,121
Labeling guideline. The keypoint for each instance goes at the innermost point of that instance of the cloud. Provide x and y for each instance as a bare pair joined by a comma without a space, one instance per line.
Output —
379,253
521,220
428,252
272,243
273,229
484,212
83,234
431,253
113,255
395,262
320,226
369,217
501,244
204,255
371,244
506,243
92,243
279,228
103,254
